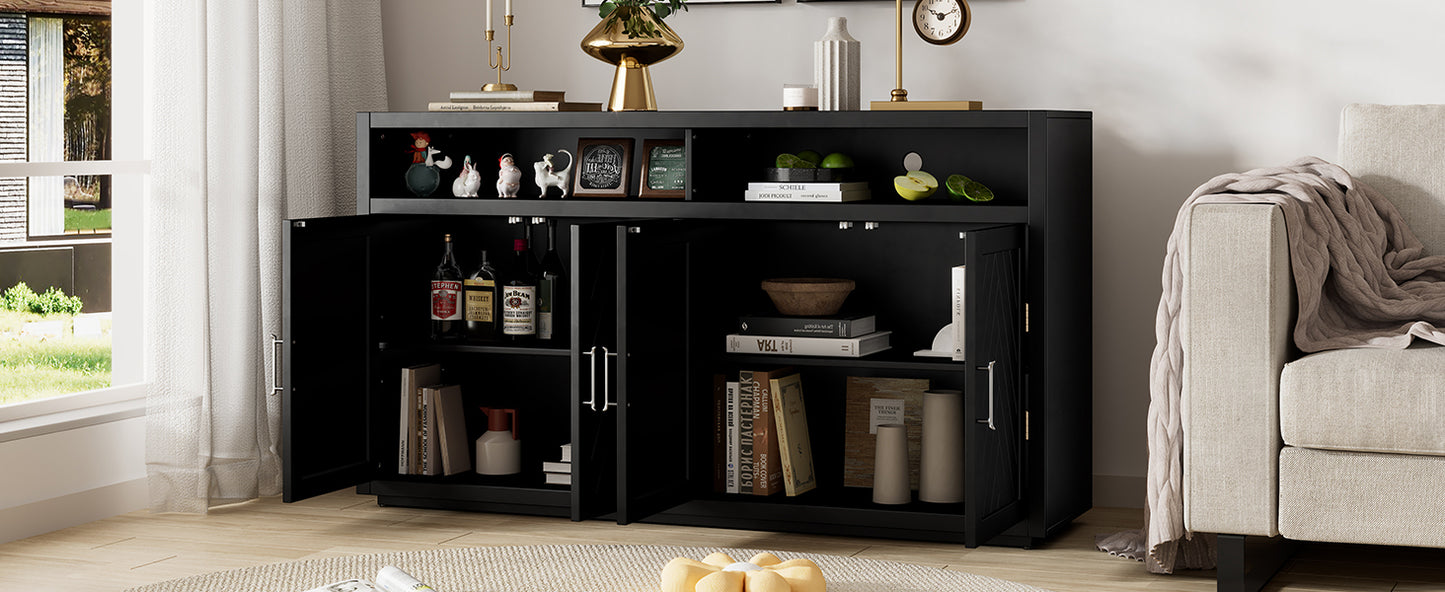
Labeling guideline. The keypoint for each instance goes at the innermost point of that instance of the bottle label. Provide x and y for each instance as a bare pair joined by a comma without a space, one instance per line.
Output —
479,300
519,310
446,300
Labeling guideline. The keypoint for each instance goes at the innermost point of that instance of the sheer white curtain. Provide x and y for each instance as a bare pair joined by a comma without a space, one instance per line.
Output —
254,121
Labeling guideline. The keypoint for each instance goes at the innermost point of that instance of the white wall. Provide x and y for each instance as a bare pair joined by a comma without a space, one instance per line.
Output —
1181,90
73,476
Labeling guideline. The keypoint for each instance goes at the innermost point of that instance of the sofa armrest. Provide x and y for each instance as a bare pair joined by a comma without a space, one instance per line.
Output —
1236,321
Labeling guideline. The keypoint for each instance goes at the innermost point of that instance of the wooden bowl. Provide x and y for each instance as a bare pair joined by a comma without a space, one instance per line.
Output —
808,296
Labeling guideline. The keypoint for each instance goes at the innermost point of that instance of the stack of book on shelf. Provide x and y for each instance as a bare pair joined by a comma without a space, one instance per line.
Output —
559,472
760,434
510,100
808,191
432,435
848,336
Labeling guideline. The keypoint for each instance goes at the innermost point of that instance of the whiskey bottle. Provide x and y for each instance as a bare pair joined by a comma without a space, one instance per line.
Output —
481,301
446,297
519,295
551,290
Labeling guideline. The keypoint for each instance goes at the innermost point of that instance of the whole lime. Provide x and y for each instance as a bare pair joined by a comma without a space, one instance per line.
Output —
837,160
811,156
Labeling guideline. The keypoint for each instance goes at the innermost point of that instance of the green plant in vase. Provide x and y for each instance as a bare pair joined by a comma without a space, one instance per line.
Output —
634,23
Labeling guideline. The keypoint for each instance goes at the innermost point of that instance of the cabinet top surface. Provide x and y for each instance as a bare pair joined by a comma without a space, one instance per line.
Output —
721,119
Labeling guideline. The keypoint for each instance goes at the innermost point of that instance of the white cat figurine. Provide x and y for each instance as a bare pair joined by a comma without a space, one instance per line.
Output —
547,176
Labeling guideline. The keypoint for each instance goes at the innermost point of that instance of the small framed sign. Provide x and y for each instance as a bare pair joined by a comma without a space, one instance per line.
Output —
603,166
664,169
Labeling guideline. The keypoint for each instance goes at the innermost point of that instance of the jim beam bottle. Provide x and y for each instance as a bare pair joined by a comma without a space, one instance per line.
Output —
447,306
519,295
482,299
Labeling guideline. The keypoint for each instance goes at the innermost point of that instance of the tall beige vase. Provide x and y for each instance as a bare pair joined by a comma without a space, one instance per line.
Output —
940,479
890,465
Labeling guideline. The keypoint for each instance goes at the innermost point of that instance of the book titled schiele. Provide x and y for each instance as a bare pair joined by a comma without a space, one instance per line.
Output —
824,192
847,347
824,326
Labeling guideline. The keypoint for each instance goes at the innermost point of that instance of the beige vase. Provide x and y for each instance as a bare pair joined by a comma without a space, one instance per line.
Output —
609,42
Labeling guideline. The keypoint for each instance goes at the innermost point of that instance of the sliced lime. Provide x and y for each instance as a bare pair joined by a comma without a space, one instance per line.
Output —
964,187
789,161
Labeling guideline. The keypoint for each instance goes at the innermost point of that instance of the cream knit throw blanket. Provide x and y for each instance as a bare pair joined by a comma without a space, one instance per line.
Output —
1362,281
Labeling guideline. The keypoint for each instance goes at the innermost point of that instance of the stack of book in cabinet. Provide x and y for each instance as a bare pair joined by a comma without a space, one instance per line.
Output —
810,191
760,434
559,472
849,336
510,100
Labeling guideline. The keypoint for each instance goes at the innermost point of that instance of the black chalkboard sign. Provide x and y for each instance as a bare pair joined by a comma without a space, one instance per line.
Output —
603,166
664,168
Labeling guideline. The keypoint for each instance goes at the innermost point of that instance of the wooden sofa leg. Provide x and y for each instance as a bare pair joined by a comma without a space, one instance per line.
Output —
1246,563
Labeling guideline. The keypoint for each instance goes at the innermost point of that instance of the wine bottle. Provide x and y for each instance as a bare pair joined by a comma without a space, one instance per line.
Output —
482,298
447,306
551,291
519,295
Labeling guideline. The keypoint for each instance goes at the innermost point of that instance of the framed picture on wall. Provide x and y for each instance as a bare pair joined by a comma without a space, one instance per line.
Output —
603,166
664,169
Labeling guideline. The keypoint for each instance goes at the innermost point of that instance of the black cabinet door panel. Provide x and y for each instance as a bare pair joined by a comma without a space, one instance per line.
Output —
594,330
325,295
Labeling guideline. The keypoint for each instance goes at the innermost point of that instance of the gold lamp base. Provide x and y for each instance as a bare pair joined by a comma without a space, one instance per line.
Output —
495,86
632,88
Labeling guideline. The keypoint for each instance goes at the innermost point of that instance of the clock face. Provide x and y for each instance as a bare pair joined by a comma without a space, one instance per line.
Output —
941,22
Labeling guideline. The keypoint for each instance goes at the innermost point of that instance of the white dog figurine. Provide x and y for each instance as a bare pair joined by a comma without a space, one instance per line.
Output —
547,177
509,177
469,181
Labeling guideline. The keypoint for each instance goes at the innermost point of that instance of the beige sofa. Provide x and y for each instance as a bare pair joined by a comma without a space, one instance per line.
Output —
1338,446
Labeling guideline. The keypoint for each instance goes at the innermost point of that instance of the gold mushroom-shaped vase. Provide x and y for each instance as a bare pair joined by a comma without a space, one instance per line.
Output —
610,42
763,573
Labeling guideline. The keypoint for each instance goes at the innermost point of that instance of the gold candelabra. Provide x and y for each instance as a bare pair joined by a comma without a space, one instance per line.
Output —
497,60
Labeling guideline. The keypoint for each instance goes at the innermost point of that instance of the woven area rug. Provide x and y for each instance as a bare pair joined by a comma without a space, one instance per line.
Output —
568,568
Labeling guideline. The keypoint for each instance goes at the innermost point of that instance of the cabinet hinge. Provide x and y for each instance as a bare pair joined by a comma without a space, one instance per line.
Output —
1026,425
1026,317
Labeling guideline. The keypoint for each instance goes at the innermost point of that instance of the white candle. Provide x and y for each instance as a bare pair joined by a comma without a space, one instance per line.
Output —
489,16
509,7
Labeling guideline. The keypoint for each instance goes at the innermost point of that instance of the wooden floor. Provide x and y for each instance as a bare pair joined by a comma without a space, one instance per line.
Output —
141,548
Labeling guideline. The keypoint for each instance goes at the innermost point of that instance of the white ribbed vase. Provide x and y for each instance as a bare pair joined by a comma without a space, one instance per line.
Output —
835,67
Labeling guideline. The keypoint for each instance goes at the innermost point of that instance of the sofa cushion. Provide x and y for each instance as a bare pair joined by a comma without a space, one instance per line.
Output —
1368,400
1397,149
1357,497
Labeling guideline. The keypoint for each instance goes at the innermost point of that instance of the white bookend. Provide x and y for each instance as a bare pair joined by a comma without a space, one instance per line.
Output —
957,304
733,436
844,347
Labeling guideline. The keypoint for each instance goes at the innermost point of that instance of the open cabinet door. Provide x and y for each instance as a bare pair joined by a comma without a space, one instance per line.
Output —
993,409
325,295
653,324
593,300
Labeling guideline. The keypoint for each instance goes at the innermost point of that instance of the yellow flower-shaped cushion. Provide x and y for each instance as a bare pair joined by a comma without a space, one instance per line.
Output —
763,573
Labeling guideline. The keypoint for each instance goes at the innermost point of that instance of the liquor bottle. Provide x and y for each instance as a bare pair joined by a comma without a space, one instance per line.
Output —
519,295
482,298
551,289
447,306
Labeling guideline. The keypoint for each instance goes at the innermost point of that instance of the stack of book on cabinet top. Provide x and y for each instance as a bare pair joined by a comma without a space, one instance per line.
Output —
848,336
510,100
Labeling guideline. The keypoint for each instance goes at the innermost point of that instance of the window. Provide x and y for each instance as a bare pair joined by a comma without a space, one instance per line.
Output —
72,177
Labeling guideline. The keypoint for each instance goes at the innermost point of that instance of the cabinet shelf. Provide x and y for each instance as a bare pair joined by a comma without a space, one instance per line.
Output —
636,208
473,348
892,359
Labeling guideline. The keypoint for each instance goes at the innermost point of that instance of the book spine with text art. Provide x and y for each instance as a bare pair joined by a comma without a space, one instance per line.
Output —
767,467
791,417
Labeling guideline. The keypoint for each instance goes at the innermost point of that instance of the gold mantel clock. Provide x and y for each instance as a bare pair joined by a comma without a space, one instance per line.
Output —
939,22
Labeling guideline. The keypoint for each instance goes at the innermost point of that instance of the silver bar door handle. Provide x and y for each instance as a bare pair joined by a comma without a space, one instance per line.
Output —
592,354
276,364
607,357
989,421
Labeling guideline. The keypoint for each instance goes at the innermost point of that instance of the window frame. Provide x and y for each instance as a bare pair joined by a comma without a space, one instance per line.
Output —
131,86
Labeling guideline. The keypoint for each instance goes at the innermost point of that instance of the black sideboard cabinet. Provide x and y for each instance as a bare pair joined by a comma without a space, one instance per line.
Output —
653,285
